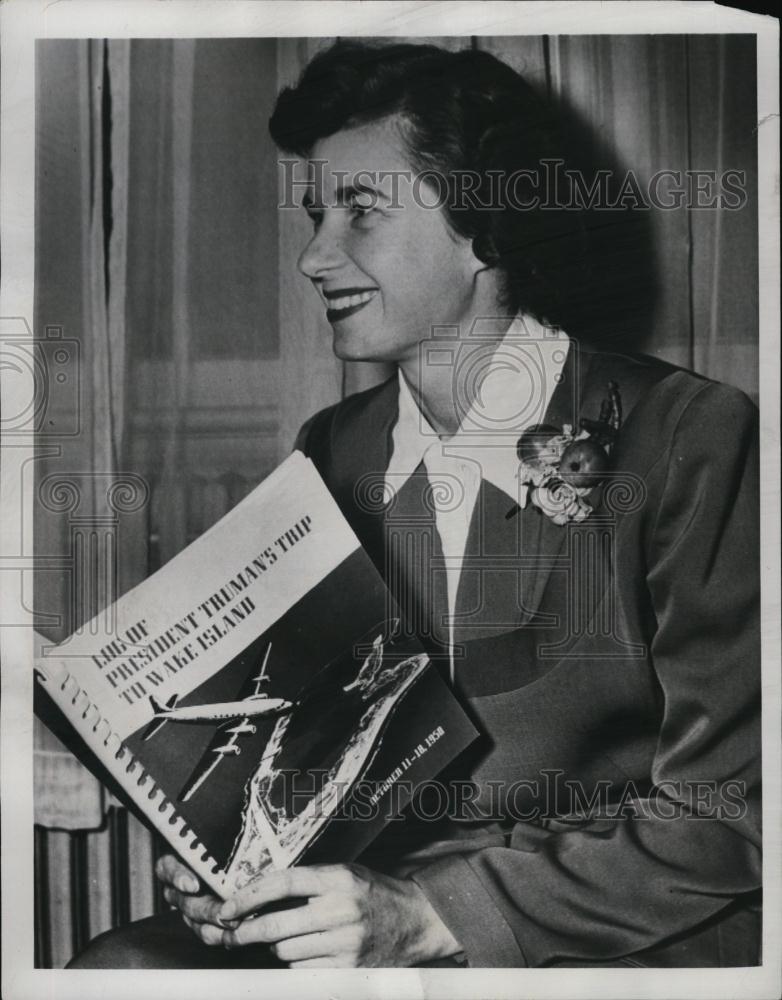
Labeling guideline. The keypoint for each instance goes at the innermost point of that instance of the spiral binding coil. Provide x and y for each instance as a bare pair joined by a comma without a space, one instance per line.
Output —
137,782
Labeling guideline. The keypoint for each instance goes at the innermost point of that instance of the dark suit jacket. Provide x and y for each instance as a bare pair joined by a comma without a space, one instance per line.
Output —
613,670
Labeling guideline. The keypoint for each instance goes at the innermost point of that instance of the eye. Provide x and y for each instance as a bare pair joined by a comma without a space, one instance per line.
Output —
361,203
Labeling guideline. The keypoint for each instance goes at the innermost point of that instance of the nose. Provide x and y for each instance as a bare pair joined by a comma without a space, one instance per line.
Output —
322,254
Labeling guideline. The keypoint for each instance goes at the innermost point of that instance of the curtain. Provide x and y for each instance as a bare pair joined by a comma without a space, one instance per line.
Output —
76,517
87,507
723,133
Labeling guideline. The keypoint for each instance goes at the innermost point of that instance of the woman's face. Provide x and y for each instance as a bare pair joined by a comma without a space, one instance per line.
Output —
388,267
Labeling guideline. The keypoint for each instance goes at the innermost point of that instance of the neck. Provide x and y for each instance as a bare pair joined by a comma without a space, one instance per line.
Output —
444,391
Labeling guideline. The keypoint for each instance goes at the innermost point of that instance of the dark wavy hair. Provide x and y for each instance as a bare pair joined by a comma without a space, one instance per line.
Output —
459,111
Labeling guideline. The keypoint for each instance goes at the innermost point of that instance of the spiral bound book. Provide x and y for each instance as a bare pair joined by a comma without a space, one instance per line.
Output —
256,698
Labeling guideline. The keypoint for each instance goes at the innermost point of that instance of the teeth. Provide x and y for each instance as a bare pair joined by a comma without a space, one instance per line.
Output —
347,301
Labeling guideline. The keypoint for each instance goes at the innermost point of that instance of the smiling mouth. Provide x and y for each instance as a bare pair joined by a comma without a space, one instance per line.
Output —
347,302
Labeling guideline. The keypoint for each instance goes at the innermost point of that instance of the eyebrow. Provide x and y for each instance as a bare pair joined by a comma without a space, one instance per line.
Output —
343,193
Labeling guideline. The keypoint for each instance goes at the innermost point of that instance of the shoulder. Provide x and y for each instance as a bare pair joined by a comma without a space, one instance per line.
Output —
670,398
689,446
348,416
352,437
679,429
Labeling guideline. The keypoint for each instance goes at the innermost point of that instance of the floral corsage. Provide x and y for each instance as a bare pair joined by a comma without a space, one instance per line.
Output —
561,467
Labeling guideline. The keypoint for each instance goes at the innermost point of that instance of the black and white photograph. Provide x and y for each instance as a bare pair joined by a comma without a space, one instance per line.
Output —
390,485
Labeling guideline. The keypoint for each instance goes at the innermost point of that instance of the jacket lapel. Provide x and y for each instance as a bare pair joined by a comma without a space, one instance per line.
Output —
499,528
400,536
542,541
360,454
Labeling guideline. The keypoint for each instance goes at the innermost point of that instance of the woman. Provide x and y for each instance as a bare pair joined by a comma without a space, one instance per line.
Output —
606,646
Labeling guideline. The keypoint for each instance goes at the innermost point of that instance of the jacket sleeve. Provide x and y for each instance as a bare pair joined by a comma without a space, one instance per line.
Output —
616,886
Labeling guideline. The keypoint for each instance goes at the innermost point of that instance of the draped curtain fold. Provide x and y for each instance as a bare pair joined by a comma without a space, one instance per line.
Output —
94,181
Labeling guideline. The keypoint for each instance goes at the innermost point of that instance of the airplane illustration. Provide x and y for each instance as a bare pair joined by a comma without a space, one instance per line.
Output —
235,717
255,704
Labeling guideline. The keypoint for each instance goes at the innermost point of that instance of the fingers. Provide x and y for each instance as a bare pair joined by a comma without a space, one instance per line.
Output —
341,944
172,872
319,915
291,882
180,888
325,930
208,933
201,909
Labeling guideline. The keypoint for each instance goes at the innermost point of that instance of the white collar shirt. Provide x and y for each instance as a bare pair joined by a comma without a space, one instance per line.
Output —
511,387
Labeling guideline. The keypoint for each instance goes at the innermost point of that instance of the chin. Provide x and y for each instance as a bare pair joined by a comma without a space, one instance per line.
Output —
351,348
374,343
346,351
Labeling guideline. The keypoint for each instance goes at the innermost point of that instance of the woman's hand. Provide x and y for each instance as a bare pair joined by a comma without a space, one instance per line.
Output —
349,916
352,917
199,910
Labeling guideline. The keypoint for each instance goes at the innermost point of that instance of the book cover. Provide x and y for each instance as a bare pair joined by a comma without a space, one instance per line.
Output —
255,696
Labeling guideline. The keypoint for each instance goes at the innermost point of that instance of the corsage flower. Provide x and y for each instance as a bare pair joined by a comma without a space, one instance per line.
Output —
560,468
